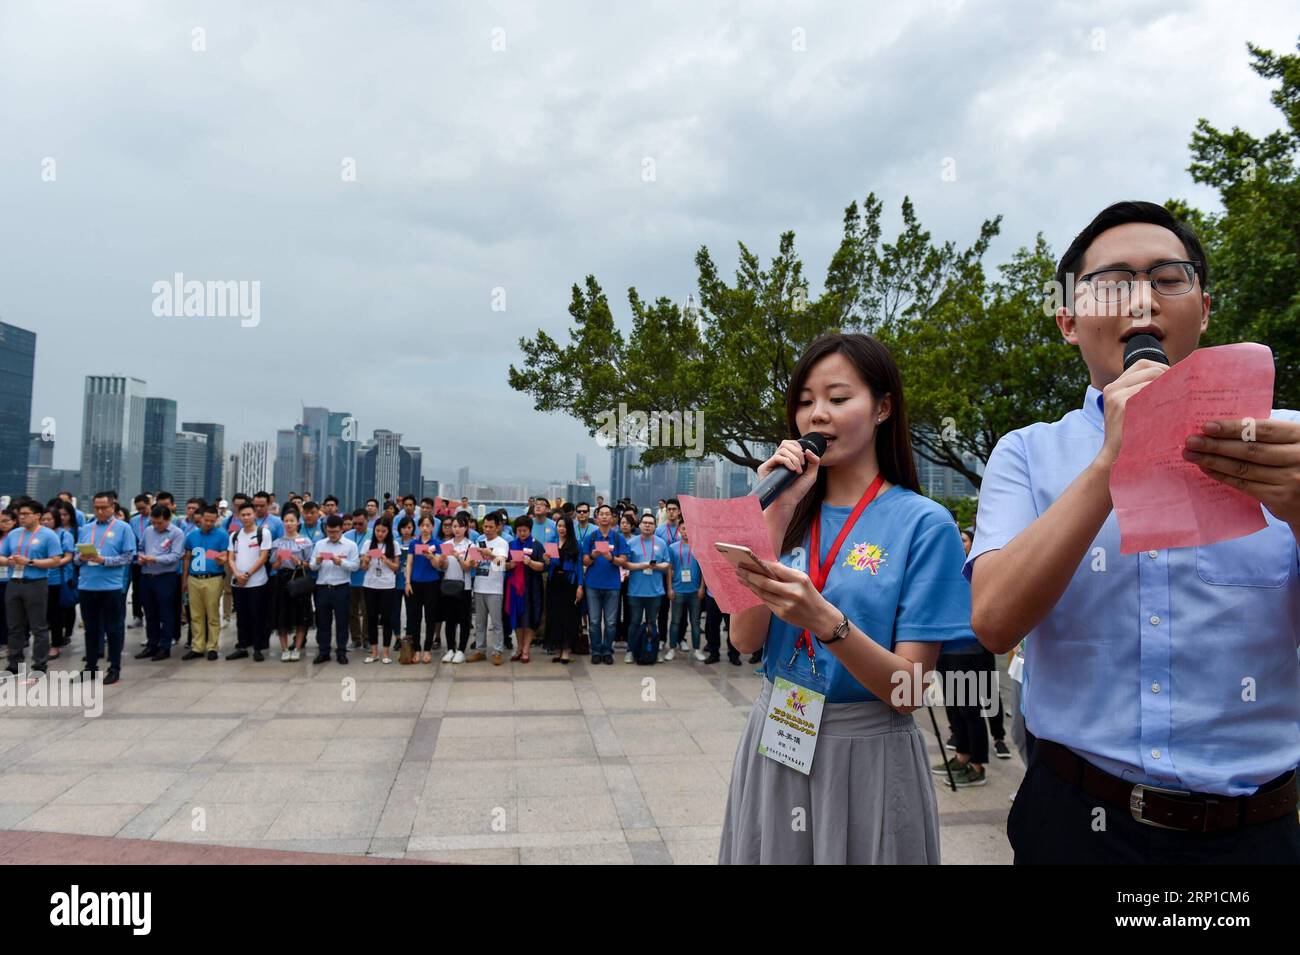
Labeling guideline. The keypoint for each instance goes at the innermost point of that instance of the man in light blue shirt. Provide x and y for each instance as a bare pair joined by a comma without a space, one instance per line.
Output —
360,537
1160,688
29,551
262,510
100,589
159,557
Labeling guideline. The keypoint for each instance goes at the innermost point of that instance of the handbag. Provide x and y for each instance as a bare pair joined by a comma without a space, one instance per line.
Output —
451,588
407,653
300,584
67,595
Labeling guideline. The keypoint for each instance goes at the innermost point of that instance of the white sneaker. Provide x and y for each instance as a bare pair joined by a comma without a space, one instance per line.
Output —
669,654
684,646
628,658
448,656
286,656
459,657
701,655
137,623
369,659
387,660
295,654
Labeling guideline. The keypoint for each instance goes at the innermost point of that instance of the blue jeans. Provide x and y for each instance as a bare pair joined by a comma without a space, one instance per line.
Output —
157,596
689,604
644,611
602,607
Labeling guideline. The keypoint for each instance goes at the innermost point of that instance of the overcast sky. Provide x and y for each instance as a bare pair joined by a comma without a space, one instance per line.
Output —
502,146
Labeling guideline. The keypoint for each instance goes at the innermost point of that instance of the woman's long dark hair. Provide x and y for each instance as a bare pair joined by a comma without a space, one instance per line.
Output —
390,545
876,366
570,546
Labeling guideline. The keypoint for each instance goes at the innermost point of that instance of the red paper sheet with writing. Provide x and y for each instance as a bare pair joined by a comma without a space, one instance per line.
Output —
735,521
1162,500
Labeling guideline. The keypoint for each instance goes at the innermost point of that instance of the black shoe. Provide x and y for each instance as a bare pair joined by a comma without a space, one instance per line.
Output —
38,669
712,658
735,661
161,655
191,655
756,656
609,658
1000,749
12,669
322,658
257,656
341,657
239,653
144,654
212,654
112,677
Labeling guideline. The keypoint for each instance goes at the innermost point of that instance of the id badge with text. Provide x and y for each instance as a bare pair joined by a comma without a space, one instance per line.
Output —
794,716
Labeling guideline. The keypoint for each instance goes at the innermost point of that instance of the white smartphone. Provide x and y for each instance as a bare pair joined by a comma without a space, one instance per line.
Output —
740,556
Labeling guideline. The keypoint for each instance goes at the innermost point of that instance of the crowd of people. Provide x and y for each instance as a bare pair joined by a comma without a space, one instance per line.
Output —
399,582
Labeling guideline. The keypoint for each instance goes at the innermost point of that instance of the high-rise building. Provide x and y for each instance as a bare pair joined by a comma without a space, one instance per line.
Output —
386,466
230,476
580,491
706,479
292,460
430,488
213,474
734,480
462,481
189,466
17,360
580,469
622,461
112,435
40,461
333,439
159,444
256,467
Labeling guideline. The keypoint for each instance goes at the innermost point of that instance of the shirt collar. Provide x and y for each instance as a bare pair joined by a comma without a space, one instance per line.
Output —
1092,408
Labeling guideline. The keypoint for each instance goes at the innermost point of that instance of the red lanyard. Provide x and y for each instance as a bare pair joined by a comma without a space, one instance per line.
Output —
99,543
819,571
23,549
649,557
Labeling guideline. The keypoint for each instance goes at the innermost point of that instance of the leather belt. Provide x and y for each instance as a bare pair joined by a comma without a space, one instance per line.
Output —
1172,808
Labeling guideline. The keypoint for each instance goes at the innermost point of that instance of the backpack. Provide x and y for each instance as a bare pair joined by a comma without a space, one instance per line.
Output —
234,536
646,650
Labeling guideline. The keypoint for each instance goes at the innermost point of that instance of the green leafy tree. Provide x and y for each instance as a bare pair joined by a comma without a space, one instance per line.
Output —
1254,243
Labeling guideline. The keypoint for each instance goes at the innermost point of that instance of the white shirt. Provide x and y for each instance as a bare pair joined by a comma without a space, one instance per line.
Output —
244,546
454,571
328,573
494,582
379,576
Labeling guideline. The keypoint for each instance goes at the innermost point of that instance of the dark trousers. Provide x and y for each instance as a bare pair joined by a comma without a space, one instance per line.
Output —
26,603
713,617
332,605
455,612
970,735
564,616
661,623
60,632
423,606
381,609
1053,821
104,613
251,628
157,595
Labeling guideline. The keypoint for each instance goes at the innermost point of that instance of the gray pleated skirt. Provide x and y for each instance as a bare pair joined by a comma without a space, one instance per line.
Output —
869,798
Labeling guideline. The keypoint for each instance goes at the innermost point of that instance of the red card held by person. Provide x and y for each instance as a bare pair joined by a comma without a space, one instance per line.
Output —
738,521
553,550
1161,499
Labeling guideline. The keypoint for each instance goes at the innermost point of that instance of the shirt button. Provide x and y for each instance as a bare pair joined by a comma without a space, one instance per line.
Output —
1155,621
1152,554
1155,687
1155,754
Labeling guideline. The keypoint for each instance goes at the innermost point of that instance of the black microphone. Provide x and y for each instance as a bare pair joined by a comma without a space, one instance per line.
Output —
770,488
1143,346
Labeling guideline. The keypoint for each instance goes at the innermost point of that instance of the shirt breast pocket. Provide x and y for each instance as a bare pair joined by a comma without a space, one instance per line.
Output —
1266,558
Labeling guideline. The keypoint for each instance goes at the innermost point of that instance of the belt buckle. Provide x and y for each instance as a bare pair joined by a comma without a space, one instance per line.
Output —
1137,802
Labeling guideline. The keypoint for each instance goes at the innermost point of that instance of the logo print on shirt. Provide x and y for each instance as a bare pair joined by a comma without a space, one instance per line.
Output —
866,556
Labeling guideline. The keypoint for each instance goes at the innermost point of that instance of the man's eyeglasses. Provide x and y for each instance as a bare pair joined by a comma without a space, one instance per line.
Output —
1168,278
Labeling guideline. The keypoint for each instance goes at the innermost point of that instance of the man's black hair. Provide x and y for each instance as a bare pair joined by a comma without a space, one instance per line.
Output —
1122,213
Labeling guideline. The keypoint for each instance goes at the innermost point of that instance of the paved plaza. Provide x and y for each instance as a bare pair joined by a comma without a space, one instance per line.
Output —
535,763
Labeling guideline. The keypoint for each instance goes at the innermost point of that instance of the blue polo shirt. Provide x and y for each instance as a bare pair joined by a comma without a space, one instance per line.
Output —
682,556
668,534
603,575
273,522
639,583
116,543
545,531
422,571
313,532
581,534
39,544
898,578
197,544
67,572
362,541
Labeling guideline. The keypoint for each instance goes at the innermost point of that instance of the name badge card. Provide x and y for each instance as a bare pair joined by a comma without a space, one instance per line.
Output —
686,576
790,730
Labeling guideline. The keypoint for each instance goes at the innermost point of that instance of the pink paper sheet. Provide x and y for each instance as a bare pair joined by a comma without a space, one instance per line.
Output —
735,521
1162,500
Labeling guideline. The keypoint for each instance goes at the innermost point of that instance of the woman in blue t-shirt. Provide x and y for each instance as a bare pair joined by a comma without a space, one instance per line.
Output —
890,561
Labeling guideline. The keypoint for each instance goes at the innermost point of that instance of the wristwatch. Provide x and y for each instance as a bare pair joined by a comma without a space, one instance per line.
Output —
839,633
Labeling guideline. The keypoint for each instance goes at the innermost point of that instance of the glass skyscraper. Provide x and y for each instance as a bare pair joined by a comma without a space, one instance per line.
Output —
17,359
